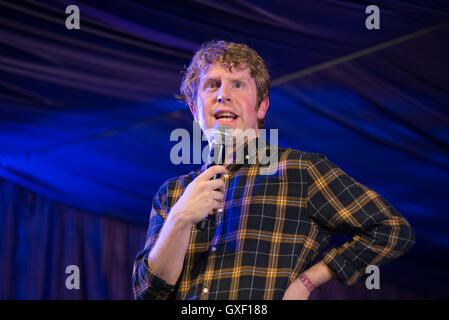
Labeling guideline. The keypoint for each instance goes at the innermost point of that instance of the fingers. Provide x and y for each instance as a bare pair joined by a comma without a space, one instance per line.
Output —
216,204
217,195
217,184
211,172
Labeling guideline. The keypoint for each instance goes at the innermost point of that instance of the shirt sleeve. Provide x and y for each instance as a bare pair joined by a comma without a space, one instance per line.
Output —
338,202
146,284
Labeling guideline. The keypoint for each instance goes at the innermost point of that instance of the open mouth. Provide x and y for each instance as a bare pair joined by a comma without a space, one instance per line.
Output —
225,116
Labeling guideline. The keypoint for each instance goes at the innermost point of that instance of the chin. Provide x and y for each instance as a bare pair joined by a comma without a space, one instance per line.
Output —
234,124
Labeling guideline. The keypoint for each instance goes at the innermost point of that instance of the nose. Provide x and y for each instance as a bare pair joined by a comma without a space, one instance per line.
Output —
223,94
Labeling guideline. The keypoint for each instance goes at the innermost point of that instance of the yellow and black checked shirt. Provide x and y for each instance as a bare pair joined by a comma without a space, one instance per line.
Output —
272,228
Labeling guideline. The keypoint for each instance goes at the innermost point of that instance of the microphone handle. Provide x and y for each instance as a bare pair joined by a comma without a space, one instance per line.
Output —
202,225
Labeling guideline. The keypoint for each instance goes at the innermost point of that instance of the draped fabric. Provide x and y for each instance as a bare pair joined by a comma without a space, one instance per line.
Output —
40,238
86,118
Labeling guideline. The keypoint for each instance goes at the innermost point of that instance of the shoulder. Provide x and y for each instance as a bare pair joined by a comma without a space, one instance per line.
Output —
290,161
178,182
170,191
290,154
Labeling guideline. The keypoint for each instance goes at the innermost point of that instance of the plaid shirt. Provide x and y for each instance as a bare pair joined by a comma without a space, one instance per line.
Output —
272,228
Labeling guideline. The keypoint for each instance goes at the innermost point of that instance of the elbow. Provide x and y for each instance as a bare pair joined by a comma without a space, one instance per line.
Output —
402,235
393,238
409,238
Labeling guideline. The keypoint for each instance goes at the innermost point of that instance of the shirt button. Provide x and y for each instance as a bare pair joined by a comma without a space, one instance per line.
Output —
205,290
247,157
219,209
213,249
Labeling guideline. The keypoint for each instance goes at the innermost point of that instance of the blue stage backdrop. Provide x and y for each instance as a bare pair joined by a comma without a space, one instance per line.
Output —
86,117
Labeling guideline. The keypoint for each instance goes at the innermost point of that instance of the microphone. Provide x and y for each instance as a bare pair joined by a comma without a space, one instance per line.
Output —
216,156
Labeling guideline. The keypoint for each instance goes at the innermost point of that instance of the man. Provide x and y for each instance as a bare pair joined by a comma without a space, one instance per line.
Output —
265,231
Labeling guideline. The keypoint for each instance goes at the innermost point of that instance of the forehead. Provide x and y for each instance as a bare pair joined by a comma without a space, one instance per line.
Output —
217,71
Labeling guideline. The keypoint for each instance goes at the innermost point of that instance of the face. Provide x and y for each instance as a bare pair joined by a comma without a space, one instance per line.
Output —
228,98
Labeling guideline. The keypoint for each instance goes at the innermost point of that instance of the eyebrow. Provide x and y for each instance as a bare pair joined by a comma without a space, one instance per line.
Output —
207,79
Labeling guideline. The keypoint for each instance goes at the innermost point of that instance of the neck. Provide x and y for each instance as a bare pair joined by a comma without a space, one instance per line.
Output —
237,149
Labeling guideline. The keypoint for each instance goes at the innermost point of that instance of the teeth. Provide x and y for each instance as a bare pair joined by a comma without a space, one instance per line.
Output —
226,115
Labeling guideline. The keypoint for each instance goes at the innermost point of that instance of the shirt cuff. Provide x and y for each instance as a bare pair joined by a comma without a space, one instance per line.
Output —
153,287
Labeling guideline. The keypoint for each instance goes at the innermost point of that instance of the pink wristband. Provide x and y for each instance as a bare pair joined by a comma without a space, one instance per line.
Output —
307,283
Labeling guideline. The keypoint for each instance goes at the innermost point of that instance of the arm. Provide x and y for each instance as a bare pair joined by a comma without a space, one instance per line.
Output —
167,256
339,203
318,274
158,267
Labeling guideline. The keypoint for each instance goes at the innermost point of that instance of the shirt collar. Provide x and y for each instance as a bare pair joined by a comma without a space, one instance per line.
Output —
245,156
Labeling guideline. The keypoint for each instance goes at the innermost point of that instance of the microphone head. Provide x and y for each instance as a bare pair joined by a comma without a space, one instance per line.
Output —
219,135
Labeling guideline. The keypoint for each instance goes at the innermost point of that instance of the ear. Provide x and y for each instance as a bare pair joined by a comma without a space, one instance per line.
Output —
193,110
263,108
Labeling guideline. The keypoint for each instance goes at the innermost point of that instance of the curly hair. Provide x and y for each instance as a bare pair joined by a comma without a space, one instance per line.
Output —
229,55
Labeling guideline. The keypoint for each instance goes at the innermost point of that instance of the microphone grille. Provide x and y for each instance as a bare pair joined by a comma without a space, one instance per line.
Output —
219,135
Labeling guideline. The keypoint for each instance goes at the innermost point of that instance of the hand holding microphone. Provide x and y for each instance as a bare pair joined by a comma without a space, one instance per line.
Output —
216,157
205,193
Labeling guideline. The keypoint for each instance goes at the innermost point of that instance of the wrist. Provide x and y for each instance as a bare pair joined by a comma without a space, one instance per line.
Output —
179,220
306,282
319,274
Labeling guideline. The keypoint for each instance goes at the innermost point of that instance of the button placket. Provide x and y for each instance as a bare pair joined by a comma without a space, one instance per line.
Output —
213,249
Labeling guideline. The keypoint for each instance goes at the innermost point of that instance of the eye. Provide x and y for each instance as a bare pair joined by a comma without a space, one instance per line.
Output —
211,85
238,85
